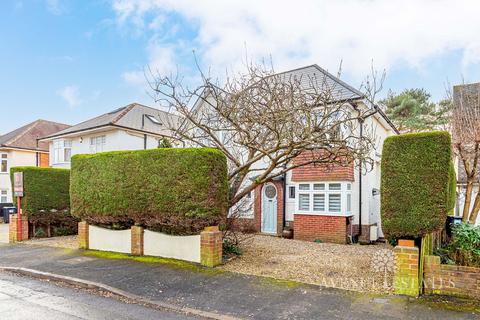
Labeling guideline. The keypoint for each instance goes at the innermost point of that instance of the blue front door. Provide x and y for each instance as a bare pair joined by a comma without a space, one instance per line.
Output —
269,209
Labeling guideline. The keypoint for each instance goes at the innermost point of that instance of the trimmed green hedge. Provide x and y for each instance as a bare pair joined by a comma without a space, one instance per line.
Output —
416,184
45,189
176,191
452,189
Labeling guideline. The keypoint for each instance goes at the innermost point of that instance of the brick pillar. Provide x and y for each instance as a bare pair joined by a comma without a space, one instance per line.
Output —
405,279
12,228
137,240
211,247
83,235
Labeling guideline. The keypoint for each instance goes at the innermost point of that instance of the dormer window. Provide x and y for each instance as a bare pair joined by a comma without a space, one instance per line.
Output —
153,119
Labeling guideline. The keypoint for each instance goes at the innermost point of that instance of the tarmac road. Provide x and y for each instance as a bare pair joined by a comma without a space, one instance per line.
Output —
23,298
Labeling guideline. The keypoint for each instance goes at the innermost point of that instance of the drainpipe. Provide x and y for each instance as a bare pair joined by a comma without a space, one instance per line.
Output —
145,135
360,186
284,218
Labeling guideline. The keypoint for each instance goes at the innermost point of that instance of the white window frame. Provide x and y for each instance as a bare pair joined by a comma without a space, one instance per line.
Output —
3,196
2,159
97,143
314,188
60,148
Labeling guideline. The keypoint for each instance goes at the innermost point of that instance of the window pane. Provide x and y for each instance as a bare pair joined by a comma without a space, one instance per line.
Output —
67,144
304,186
334,202
303,202
349,186
3,166
349,203
334,186
291,192
318,202
319,186
4,156
67,154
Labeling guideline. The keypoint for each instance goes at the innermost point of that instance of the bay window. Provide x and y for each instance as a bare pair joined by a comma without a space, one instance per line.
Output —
324,198
62,151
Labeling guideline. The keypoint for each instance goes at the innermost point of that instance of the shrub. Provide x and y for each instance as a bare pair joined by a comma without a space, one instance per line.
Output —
452,189
229,248
45,189
47,199
176,191
464,249
417,185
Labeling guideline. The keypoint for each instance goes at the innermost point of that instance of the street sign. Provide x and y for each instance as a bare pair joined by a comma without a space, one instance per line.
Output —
18,184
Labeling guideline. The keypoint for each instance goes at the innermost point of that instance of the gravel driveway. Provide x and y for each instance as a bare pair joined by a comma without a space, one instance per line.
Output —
366,268
69,242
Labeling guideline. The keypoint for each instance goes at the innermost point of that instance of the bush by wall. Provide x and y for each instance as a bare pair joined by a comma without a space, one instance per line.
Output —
176,191
452,189
45,189
47,200
417,184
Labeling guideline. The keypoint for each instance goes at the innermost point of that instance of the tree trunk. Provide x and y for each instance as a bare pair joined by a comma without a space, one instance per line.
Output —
475,209
468,200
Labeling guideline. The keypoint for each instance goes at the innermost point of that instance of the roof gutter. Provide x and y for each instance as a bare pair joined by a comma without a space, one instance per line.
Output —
99,127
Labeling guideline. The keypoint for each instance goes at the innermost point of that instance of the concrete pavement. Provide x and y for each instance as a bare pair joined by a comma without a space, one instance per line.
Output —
3,233
226,293
24,298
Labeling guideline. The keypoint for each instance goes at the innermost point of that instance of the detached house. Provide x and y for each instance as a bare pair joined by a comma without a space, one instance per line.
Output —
132,127
327,203
20,148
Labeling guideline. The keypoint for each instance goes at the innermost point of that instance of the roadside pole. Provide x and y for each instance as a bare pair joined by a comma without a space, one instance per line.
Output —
18,190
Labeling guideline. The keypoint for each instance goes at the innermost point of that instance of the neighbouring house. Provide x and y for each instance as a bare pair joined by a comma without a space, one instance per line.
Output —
326,203
20,148
132,127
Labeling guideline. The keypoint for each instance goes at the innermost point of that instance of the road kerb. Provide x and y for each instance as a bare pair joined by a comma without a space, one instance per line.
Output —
136,298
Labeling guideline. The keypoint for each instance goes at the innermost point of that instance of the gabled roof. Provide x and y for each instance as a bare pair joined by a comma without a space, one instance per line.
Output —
134,116
26,137
314,75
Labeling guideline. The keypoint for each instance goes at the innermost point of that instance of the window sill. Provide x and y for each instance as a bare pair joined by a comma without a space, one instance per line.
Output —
330,214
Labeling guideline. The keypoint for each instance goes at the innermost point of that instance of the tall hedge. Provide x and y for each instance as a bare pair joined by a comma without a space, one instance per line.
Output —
45,189
176,191
416,188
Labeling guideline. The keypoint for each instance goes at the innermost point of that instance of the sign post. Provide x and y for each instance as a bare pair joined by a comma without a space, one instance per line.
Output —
18,191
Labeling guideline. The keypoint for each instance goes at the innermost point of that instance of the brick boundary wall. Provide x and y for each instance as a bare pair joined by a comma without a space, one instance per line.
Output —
211,240
137,233
12,228
451,280
309,227
211,247
405,279
83,235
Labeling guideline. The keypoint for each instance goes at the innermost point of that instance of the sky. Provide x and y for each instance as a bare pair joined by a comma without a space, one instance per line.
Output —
68,61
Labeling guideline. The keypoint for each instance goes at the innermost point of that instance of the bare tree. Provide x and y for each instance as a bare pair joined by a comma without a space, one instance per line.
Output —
261,121
466,142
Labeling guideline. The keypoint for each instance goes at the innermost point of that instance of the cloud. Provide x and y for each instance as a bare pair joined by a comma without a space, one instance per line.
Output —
395,34
71,95
161,60
55,7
